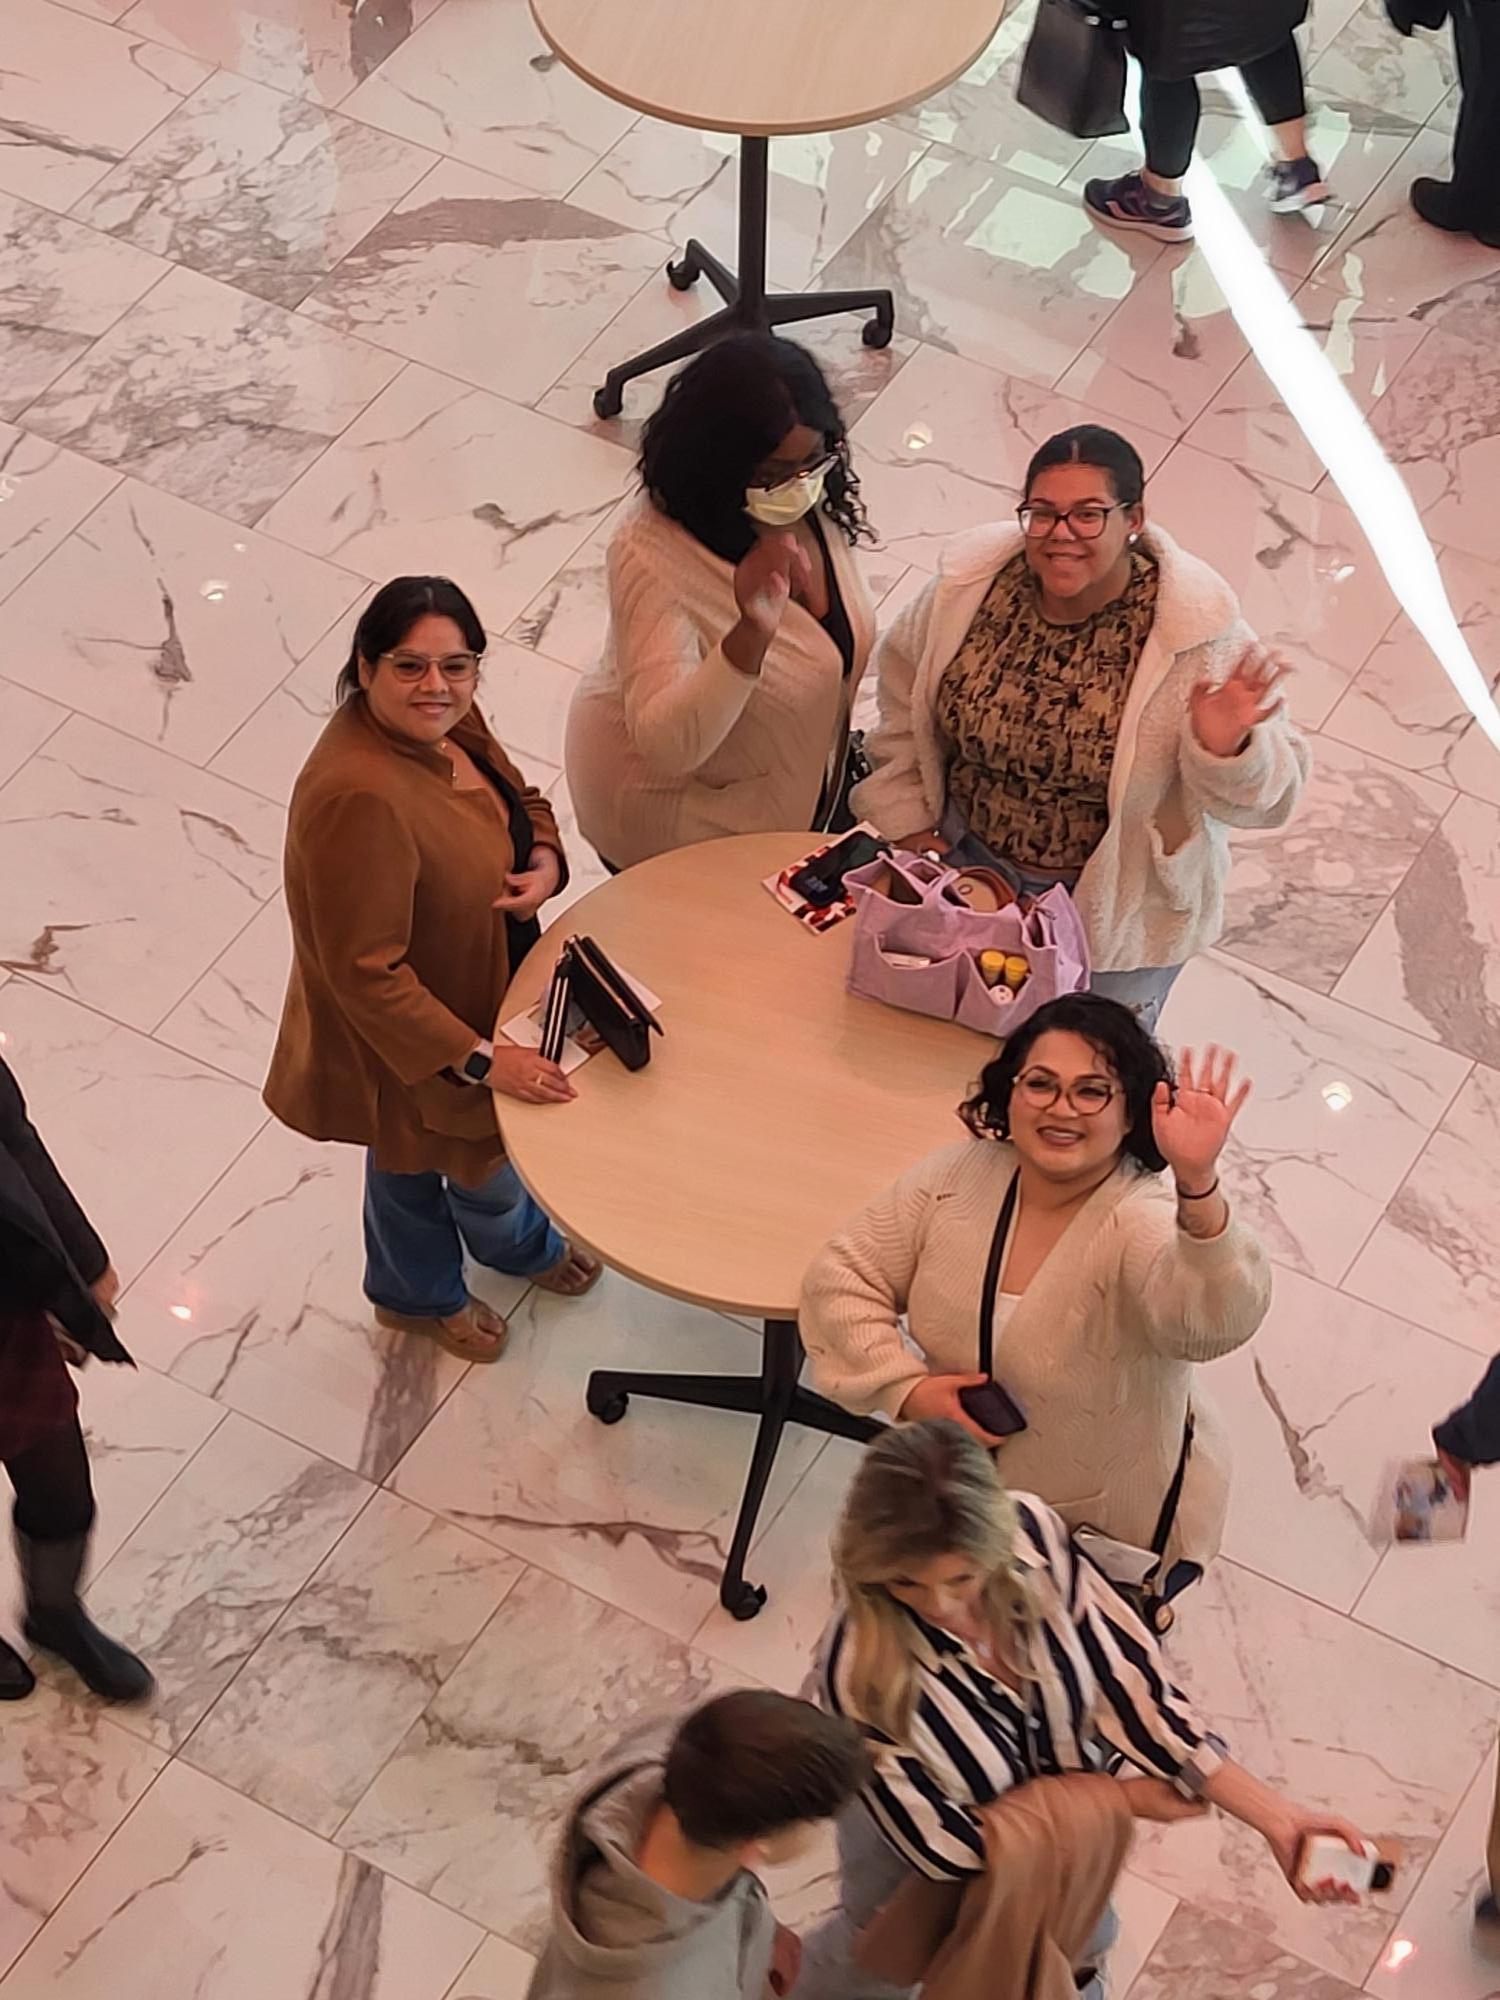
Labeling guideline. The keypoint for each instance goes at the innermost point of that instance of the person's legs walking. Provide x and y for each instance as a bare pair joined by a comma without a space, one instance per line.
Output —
1475,188
53,1519
1152,200
870,1873
1274,82
502,1226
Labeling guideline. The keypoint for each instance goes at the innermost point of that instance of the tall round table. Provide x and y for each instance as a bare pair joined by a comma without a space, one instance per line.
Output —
759,68
775,1103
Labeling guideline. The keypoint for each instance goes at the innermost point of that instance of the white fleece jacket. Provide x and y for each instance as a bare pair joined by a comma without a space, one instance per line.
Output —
1152,892
667,743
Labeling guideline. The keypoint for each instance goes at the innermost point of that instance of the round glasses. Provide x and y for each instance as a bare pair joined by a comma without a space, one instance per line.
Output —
1088,1096
1087,521
454,667
824,463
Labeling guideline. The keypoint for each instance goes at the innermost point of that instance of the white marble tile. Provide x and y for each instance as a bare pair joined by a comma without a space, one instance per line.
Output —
168,622
68,1777
1433,1255
1202,1957
1342,1106
120,840
230,1017
1307,580
1434,1953
310,48
75,96
352,1663
992,265
26,721
1336,1717
1318,1406
258,1301
486,280
1301,900
1366,63
44,492
205,1576
1403,707
1387,255
439,479
568,619
264,191
1448,1605
218,397
142,1429
497,1971
62,286
1440,426
1248,424
268,750
947,446
1161,356
183,1901
104,1096
479,83
98,10
1144,1912
469,1807
677,183
640,1511
1431,963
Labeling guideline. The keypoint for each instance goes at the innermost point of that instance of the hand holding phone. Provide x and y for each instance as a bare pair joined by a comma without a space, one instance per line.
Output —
948,1396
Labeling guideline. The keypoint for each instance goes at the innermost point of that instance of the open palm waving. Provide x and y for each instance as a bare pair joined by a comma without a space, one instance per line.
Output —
1192,1121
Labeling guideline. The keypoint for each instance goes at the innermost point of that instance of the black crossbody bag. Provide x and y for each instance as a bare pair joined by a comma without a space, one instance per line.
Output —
1137,1574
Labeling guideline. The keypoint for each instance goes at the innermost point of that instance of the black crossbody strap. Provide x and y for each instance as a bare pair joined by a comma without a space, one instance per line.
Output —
1166,1520
991,1287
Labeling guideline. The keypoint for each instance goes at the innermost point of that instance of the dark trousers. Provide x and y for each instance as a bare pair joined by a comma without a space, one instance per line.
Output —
1169,111
1476,142
54,1493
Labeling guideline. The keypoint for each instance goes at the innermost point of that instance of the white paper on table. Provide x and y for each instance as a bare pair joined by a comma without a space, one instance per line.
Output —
525,1030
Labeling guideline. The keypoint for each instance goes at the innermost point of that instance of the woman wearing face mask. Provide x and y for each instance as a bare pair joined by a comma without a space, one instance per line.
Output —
417,857
981,1652
1078,700
1109,1288
738,623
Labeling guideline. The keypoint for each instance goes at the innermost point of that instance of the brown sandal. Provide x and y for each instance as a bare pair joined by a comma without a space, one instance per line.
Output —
555,1281
478,1333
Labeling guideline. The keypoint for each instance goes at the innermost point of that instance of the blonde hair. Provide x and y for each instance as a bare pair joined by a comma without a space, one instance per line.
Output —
922,1490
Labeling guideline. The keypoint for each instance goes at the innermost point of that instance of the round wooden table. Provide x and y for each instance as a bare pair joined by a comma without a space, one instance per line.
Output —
760,68
774,1105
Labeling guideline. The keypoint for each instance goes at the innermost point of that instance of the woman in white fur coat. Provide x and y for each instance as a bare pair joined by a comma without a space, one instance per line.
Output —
1080,701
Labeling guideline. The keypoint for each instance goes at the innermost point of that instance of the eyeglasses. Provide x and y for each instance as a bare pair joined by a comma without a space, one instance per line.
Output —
767,482
1088,1096
454,667
1087,521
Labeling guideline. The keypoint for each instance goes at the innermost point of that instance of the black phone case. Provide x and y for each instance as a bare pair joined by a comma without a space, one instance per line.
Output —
607,1004
989,1405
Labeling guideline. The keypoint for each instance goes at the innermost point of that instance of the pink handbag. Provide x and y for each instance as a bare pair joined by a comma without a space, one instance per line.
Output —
926,919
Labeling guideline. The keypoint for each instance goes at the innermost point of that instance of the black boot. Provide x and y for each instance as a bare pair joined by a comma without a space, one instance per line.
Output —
16,1678
57,1621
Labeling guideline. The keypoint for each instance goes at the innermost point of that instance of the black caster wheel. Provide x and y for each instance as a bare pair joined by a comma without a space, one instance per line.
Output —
876,333
747,1602
682,274
610,1407
608,402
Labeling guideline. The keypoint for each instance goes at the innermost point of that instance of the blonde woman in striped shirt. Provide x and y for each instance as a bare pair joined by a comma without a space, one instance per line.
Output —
978,1649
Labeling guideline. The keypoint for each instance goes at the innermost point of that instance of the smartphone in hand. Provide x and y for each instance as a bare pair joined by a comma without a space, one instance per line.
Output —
992,1409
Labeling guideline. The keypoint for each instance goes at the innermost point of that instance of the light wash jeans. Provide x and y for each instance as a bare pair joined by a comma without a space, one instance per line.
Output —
417,1227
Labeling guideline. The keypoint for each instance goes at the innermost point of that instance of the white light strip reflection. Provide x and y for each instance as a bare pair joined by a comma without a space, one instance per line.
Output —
1331,422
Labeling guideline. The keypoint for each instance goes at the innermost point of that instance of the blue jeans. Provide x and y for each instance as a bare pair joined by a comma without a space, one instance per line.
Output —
417,1227
1144,991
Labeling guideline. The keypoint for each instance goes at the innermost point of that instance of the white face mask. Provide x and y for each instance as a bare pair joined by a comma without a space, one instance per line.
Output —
781,506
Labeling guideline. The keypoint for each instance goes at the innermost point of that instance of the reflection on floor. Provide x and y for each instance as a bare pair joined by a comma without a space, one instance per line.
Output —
304,292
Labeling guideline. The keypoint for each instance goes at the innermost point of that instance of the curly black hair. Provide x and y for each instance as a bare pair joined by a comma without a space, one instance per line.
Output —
721,417
1137,1060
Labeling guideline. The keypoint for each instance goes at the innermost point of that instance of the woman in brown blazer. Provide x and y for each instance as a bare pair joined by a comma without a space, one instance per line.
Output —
417,858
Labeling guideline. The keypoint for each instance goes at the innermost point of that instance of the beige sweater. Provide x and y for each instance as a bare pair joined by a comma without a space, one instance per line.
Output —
1152,892
1098,1351
667,743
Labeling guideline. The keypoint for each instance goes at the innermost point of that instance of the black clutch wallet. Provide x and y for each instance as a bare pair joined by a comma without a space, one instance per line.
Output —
606,1000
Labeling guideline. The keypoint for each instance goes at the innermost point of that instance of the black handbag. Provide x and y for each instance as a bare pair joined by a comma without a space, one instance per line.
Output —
1176,39
1073,72
607,1001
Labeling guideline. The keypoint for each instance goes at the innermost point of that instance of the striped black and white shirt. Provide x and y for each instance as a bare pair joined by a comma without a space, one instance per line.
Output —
1100,1687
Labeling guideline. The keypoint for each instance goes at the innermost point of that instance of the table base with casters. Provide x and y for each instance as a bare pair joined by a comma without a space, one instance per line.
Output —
747,307
775,1396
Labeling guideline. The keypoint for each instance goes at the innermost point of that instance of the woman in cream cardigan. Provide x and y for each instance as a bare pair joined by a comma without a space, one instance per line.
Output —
1111,1289
1080,701
739,626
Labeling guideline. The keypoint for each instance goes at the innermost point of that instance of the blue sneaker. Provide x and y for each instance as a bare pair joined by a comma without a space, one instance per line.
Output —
1127,203
1296,184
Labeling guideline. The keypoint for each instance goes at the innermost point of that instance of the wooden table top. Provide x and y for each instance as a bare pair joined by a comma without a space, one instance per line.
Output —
774,1105
762,67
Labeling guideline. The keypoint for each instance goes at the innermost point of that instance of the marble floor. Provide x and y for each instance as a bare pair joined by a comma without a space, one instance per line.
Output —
295,294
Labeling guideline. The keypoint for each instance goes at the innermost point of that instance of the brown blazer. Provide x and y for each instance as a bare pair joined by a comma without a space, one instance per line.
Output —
399,959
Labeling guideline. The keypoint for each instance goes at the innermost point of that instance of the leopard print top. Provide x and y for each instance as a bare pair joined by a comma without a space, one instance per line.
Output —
1031,711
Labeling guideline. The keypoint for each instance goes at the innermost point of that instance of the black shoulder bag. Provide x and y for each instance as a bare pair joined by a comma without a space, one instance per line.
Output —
1073,71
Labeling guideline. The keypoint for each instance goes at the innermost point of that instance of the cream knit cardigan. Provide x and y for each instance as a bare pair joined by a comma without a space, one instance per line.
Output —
667,743
1152,892
1099,1350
